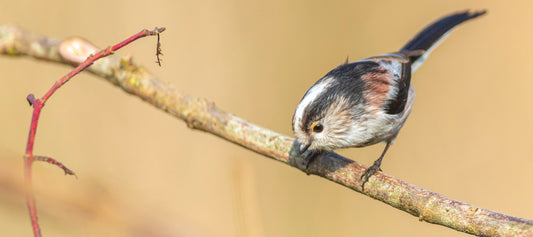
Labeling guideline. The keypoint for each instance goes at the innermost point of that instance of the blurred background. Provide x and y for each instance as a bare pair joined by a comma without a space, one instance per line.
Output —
142,172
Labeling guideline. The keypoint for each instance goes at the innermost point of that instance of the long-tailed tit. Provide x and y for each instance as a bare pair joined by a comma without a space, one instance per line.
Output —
366,102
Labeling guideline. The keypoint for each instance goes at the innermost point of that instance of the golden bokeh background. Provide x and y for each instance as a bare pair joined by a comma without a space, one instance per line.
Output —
144,173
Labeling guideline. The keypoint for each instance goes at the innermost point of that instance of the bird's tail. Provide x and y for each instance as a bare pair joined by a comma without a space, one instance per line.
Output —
433,35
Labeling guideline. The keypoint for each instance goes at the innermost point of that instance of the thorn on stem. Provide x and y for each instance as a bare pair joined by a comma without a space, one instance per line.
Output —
31,99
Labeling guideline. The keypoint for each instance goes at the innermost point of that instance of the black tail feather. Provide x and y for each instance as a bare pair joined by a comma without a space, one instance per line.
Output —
431,35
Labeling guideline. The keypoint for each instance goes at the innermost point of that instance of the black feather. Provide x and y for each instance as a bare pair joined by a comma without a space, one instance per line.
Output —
432,33
396,105
348,84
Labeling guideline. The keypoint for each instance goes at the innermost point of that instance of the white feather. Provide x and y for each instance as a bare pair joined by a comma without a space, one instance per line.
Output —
416,64
315,91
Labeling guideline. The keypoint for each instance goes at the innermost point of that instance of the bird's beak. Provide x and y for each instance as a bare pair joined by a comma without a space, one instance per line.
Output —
305,154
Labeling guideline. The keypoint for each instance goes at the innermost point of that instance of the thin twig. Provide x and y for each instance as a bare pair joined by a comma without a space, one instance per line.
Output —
52,161
202,114
38,104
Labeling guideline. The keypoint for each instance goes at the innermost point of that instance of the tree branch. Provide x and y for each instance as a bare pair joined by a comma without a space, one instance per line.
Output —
202,114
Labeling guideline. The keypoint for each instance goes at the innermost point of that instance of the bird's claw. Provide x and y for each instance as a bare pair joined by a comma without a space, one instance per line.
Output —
368,173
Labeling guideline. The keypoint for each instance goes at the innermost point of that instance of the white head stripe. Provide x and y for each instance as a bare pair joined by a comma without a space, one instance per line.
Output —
315,91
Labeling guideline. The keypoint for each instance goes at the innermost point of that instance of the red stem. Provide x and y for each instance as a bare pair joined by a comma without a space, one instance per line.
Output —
28,160
38,104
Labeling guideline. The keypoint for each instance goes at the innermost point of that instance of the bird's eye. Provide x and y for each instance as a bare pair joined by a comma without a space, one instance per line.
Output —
317,127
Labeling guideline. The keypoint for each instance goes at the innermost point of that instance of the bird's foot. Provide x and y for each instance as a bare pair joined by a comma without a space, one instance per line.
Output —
368,173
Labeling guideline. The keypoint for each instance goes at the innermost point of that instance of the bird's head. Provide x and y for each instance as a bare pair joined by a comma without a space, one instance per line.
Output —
322,121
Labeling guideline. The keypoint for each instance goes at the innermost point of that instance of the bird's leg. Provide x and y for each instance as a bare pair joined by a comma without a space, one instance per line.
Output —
375,167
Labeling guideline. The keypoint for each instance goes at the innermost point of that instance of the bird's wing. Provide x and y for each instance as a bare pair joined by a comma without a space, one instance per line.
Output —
397,65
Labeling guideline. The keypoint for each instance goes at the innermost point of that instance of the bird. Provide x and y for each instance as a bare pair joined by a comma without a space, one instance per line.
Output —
366,102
